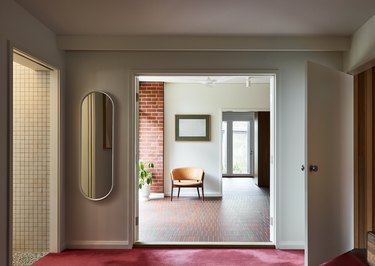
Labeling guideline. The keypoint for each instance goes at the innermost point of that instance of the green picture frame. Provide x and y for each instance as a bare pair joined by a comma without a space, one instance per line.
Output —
192,127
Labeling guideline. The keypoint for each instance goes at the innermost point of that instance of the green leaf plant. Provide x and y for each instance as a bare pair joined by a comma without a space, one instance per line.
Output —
145,174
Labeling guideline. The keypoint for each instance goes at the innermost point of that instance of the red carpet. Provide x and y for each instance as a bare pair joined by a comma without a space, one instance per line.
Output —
346,259
168,257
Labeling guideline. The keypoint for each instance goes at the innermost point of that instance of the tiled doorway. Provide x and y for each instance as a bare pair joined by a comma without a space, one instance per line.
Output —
34,159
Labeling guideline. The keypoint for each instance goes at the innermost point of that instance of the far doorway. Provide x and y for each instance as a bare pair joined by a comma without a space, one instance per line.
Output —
238,144
245,146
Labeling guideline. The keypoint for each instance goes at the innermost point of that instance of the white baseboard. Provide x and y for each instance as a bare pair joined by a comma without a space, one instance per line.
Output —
93,244
194,194
156,195
62,247
290,245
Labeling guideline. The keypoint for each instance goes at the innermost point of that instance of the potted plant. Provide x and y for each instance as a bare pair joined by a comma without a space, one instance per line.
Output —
145,178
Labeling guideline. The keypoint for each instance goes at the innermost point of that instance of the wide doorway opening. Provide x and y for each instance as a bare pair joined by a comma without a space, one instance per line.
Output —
197,140
34,160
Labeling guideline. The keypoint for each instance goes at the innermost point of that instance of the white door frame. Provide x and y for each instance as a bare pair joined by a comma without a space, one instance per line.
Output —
55,186
133,138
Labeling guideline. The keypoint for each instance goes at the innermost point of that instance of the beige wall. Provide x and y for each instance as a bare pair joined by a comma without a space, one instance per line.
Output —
361,55
108,222
24,31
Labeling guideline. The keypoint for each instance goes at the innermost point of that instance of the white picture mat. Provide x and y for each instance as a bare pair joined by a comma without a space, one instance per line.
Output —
192,128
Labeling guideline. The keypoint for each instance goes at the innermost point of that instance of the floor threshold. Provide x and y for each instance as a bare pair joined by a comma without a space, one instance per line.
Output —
264,245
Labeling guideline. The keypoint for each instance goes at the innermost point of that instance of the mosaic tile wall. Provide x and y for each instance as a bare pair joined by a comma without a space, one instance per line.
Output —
31,142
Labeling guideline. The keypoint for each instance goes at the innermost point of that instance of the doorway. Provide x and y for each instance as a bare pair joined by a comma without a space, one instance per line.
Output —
210,85
34,160
238,144
244,155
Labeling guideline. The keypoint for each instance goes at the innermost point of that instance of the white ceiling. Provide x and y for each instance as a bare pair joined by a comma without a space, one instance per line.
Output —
202,17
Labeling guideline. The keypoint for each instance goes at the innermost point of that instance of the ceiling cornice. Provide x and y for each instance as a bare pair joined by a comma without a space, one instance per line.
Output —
202,43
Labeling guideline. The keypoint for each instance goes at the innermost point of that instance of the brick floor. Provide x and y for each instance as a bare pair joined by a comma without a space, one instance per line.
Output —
241,215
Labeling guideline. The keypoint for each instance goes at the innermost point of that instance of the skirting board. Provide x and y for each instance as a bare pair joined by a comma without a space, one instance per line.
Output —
98,245
156,195
194,194
290,245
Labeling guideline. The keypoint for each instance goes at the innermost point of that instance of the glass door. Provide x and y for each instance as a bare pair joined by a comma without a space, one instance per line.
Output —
241,150
238,144
224,136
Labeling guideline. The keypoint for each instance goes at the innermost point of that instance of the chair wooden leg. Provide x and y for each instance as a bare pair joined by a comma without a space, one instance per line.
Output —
178,192
172,193
202,193
199,196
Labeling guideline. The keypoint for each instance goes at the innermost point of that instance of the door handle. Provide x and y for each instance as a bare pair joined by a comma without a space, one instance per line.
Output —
302,168
314,168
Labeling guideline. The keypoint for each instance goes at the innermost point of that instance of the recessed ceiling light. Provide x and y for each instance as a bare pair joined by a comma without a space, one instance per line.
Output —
248,82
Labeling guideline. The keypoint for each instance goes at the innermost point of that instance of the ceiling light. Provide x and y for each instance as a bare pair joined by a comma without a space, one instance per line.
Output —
248,82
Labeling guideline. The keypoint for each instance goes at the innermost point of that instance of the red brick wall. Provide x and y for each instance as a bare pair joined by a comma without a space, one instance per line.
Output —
151,130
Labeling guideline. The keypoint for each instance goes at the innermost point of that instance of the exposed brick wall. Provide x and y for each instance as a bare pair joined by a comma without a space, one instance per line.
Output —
151,130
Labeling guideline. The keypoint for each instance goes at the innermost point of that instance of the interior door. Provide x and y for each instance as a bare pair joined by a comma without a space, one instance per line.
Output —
330,164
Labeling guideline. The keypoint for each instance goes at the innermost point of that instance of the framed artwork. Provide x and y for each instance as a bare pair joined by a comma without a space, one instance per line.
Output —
192,127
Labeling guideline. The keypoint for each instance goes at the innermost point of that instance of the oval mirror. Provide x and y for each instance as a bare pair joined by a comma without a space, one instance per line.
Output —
96,180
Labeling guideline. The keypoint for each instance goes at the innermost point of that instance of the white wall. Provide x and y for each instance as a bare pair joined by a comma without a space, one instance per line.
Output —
109,220
362,50
30,35
201,99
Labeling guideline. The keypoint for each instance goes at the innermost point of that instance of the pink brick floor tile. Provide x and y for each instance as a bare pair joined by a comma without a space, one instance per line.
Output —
241,215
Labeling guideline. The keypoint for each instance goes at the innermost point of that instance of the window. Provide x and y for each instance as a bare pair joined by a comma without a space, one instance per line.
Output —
237,143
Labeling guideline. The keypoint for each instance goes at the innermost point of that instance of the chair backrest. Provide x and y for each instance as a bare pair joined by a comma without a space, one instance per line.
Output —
187,173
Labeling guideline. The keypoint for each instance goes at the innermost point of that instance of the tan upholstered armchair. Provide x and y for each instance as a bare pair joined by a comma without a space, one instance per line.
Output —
187,177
